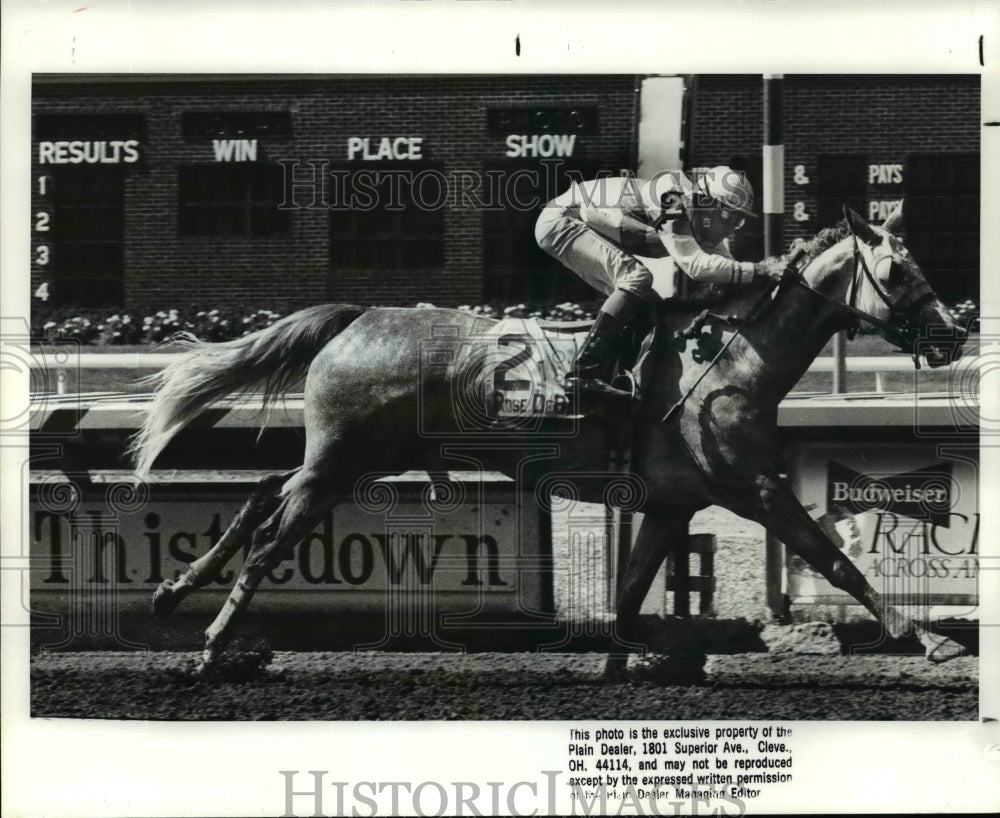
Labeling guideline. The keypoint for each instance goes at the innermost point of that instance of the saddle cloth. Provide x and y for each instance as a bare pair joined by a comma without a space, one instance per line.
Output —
526,363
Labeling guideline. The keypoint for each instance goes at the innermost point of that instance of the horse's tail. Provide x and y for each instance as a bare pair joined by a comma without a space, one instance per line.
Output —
271,359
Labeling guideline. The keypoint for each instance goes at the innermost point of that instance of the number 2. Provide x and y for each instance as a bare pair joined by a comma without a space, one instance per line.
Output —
41,222
519,357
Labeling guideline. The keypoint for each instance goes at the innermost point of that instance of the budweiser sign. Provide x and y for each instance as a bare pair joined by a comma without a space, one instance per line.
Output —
922,494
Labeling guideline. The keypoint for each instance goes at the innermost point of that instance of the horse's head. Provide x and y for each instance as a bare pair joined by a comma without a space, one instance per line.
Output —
886,283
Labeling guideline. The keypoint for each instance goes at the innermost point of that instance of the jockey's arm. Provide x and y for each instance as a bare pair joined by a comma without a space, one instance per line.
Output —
717,267
641,239
625,230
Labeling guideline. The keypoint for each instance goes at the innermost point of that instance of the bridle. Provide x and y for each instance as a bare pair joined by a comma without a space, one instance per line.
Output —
897,329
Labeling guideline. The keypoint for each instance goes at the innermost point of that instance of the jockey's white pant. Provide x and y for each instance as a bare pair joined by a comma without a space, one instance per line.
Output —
562,234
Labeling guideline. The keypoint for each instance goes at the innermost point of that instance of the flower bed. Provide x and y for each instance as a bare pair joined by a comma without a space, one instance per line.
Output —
127,329
119,329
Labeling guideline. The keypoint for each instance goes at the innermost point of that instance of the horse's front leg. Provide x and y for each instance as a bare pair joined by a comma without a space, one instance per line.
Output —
777,508
657,534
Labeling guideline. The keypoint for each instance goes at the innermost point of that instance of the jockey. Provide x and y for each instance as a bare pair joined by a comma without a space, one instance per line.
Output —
597,229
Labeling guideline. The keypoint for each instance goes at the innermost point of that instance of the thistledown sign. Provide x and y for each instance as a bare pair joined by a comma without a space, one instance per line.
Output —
907,516
455,557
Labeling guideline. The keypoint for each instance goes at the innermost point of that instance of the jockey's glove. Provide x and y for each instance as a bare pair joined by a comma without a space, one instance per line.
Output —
772,268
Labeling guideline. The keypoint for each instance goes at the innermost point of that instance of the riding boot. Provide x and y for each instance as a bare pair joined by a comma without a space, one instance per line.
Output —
594,365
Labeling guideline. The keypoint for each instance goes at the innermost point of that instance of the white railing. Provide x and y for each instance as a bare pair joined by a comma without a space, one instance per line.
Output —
62,364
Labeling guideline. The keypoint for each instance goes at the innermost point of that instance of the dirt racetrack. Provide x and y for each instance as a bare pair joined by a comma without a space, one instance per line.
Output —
377,686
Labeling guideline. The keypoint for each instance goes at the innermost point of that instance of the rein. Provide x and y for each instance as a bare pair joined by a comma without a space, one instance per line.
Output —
900,333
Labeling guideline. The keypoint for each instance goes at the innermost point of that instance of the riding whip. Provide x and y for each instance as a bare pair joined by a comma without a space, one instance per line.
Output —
793,260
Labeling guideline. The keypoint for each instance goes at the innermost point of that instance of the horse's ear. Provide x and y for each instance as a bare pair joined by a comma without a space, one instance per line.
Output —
861,228
895,220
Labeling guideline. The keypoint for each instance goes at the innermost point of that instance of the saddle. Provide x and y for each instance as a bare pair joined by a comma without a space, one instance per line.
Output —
708,300
530,358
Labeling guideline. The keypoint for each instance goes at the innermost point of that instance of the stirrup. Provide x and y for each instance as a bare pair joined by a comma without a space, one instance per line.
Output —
625,381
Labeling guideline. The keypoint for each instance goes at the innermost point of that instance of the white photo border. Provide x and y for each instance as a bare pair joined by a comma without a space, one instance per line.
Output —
65,767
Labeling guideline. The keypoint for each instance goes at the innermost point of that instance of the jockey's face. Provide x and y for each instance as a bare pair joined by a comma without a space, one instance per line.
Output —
712,225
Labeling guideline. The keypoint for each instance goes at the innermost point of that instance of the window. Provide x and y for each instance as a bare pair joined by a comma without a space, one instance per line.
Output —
82,196
88,229
842,179
231,199
942,221
387,217
516,269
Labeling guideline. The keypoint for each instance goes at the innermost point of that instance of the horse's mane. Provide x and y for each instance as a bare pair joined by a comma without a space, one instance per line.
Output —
713,295
824,239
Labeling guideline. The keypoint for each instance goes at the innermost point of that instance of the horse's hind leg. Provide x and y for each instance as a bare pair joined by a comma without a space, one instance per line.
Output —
264,501
305,499
656,536
783,515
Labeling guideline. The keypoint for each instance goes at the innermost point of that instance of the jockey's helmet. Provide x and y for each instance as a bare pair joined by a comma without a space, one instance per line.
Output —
718,202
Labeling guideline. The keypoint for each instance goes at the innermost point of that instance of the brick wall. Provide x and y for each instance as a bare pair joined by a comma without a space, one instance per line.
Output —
164,269
884,118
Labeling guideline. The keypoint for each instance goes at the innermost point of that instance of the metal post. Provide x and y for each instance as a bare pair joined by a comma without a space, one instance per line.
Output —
680,567
774,165
839,363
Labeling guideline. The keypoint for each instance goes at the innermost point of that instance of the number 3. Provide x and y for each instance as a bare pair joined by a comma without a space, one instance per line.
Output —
43,255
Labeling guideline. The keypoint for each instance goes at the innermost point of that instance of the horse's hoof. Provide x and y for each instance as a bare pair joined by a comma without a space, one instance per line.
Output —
208,665
682,669
616,669
165,598
940,649
898,625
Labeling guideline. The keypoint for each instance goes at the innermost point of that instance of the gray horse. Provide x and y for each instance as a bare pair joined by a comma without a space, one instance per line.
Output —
369,400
